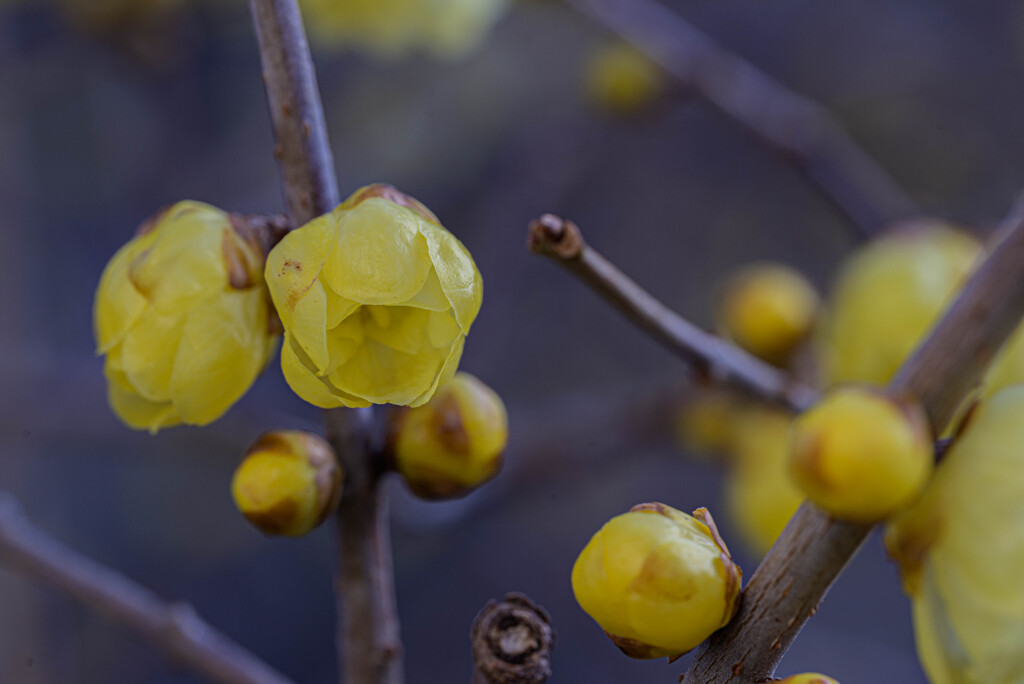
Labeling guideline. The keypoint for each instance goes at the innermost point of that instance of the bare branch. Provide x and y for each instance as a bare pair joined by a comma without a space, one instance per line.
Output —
512,641
369,645
799,129
175,629
300,134
563,241
792,579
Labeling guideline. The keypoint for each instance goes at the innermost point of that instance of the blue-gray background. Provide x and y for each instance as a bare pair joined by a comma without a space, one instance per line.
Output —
95,136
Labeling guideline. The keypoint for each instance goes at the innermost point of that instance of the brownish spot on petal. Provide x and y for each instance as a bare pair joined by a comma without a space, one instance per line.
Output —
448,426
638,649
651,507
392,194
275,519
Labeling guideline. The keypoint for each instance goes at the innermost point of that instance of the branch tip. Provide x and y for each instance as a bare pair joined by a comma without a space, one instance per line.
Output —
555,237
512,641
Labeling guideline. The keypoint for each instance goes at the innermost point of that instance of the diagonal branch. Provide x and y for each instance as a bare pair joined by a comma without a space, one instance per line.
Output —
175,629
792,579
797,128
563,241
369,645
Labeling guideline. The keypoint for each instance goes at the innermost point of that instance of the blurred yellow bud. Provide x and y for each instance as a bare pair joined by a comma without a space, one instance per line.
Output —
376,299
961,550
106,15
767,309
393,28
182,315
453,443
808,678
657,581
288,483
888,295
622,79
760,492
861,455
703,423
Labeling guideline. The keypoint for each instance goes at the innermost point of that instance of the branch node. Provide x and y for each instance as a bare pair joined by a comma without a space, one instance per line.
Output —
512,641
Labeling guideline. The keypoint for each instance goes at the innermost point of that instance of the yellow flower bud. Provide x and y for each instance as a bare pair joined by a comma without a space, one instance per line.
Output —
376,299
288,483
860,454
760,492
767,309
622,79
657,580
703,424
808,678
182,315
392,28
887,297
961,550
453,443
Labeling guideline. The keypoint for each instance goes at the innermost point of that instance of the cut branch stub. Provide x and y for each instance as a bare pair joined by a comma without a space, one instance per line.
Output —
512,641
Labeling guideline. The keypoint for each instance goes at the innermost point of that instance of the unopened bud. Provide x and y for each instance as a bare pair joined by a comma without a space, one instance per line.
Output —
453,443
288,483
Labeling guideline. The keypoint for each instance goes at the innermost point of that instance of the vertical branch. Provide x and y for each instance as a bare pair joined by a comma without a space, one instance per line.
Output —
799,129
369,647
300,134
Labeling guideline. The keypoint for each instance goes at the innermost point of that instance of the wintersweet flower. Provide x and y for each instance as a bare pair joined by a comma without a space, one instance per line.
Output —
376,299
183,318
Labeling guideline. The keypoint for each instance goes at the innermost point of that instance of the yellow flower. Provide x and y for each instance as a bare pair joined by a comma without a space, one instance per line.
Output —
767,309
454,442
961,550
376,299
657,581
703,423
622,79
288,482
760,492
887,297
861,455
391,28
182,316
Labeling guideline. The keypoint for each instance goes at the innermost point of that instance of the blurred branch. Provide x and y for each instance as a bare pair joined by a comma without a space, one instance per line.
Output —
563,241
512,641
800,130
369,645
175,629
792,579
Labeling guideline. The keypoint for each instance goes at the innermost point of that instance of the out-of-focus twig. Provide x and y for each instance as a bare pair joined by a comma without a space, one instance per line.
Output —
369,644
175,629
512,641
792,579
563,241
799,129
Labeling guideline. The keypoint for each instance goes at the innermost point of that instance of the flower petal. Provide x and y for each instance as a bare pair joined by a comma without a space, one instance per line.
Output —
118,305
221,352
458,275
147,354
295,263
378,256
134,410
308,386
309,325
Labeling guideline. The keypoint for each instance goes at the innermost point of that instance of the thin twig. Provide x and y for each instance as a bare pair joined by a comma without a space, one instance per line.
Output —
787,587
562,240
369,646
799,129
175,628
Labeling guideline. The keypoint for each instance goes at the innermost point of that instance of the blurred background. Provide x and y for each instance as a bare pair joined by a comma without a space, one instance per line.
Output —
102,123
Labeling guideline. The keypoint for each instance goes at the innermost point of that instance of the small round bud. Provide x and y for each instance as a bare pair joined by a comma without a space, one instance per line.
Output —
657,581
808,678
288,483
622,79
768,309
862,455
703,424
760,493
453,443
